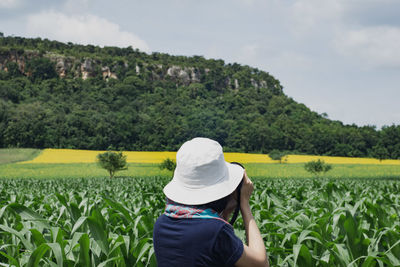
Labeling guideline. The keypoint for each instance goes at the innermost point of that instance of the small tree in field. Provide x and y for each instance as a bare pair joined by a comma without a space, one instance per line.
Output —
168,164
317,166
380,152
112,162
278,155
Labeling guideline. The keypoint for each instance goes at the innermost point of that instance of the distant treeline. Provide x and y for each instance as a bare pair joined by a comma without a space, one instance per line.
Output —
158,101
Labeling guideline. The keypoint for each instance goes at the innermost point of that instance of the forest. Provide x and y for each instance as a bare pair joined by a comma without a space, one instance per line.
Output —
64,95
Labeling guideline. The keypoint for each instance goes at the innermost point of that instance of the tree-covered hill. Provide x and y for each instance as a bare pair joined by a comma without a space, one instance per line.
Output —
61,95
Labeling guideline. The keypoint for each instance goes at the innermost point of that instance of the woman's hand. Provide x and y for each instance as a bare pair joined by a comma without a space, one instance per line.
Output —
247,190
254,253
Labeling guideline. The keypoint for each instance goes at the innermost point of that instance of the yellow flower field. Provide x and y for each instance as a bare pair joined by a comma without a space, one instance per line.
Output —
89,156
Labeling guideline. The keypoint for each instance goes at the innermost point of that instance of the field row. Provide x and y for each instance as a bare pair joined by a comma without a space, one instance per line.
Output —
89,156
109,222
265,170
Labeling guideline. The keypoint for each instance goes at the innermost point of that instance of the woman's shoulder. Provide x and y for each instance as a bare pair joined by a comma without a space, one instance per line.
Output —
194,227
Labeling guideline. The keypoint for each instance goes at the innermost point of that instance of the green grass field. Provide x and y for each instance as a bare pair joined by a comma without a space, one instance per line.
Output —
339,171
82,170
76,170
17,154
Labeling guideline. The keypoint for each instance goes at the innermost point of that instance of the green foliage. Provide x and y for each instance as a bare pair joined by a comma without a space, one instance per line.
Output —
168,164
380,152
317,167
146,108
41,69
11,155
278,155
99,222
112,162
103,222
13,69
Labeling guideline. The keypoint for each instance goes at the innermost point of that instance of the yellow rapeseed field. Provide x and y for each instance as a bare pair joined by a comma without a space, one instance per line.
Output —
89,156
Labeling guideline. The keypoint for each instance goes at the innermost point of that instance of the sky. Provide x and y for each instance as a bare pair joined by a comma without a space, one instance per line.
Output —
339,57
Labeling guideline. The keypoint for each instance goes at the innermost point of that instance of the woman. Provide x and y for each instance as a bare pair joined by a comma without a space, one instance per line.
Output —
193,231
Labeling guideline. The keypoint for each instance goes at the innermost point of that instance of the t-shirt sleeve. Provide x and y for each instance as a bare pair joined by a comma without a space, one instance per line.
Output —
228,247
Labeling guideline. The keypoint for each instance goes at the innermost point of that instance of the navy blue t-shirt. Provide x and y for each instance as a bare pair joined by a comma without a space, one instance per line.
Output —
195,242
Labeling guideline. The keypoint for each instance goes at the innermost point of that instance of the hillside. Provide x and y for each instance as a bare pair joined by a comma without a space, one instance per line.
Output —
57,95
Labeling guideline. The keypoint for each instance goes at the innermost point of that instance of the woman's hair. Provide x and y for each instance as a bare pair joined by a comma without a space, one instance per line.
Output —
217,205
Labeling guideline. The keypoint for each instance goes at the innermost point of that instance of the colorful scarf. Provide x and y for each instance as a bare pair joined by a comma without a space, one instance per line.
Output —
180,211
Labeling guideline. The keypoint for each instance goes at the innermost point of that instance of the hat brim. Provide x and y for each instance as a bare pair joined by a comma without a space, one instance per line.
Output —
175,191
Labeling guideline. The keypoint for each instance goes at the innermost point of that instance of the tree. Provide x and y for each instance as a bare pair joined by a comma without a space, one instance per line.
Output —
380,152
168,164
41,69
13,69
112,162
317,166
278,155
146,109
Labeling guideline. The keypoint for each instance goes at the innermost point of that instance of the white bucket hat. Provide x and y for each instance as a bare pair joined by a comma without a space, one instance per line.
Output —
202,175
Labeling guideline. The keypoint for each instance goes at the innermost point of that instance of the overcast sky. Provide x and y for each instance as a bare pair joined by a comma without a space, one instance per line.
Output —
341,57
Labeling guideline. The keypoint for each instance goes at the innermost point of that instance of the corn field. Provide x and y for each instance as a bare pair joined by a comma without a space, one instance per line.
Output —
109,222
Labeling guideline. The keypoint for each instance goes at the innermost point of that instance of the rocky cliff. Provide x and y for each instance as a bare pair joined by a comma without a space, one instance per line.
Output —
68,66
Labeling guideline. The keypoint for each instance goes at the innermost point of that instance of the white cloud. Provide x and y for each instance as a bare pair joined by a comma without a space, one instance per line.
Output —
374,46
83,29
249,51
76,6
247,2
293,60
248,54
307,15
9,3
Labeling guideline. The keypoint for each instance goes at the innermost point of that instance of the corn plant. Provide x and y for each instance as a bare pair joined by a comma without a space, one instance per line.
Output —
109,222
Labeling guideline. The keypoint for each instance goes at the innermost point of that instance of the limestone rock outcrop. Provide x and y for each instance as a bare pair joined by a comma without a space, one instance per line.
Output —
72,67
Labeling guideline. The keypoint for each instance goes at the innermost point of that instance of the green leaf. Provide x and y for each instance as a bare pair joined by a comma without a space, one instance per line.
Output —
75,211
37,237
109,260
98,234
351,229
37,255
62,199
2,210
326,256
84,256
143,251
120,208
20,236
152,262
58,254
393,259
29,215
342,254
78,223
11,259
57,235
303,252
